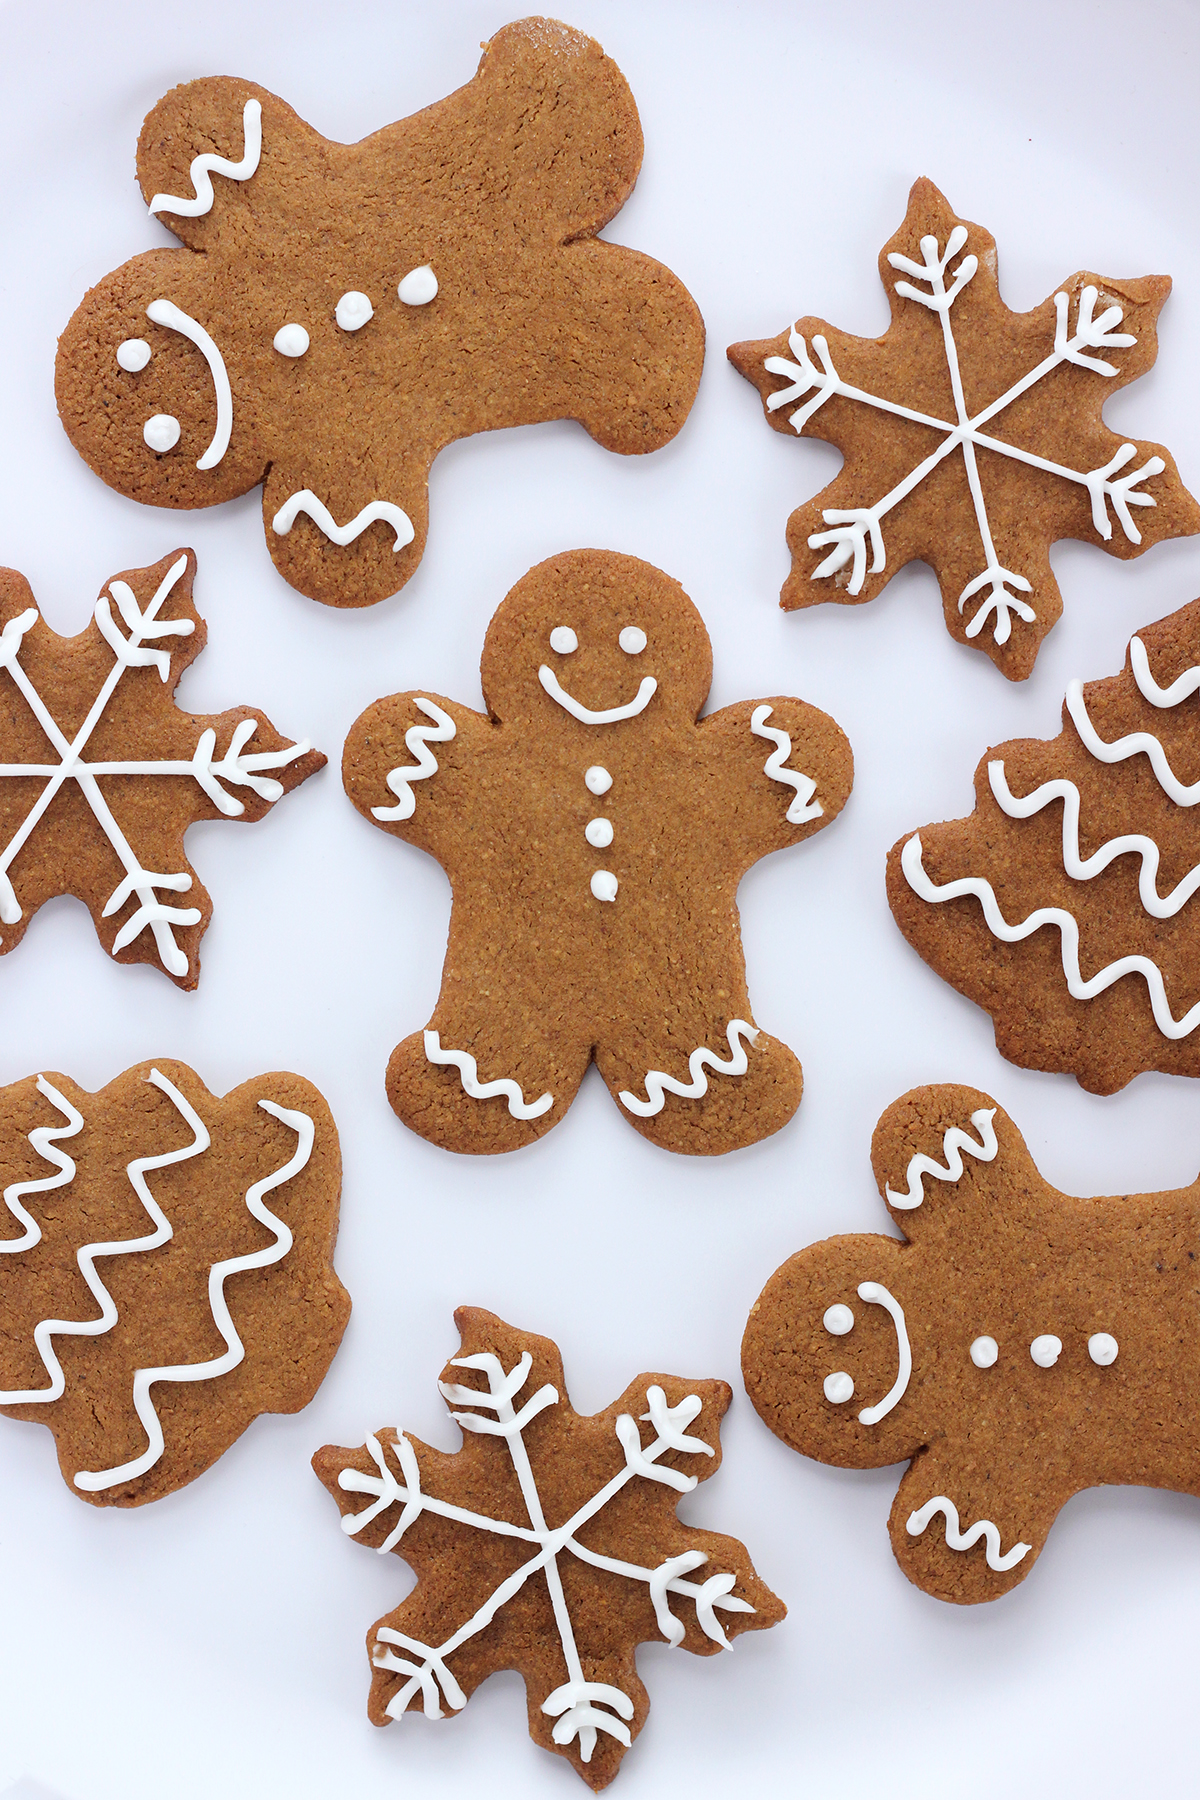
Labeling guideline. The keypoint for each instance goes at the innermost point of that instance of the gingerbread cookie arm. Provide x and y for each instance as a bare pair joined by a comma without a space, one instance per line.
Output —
216,157
939,1154
784,770
412,766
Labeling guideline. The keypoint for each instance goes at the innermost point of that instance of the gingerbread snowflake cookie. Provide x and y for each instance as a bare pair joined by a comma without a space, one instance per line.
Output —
972,435
342,312
1020,1344
166,1268
594,832
547,1544
101,773
1064,905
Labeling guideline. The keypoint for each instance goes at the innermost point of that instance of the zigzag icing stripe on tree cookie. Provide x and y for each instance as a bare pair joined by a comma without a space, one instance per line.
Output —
43,1139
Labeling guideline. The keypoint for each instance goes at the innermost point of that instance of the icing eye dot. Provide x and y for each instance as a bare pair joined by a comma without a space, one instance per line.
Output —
984,1352
419,286
133,354
292,340
599,834
838,1388
839,1320
604,884
597,780
1046,1350
563,639
1102,1348
161,432
632,640
353,310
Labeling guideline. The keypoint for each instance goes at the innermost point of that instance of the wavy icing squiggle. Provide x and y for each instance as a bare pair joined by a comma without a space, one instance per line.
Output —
954,1142
307,502
468,1069
1136,742
43,1138
416,741
198,174
659,1085
803,807
963,1540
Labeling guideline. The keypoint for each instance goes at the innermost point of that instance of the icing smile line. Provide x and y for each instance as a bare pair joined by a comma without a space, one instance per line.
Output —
609,715
165,312
877,1295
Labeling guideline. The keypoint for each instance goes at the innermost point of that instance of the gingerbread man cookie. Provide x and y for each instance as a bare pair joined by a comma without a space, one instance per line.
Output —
972,435
342,312
594,831
1018,1346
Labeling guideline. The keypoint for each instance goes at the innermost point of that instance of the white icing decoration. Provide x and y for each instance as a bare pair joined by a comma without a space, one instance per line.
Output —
609,715
353,311
291,340
853,529
1046,1350
839,1387
94,1482
43,1139
133,354
963,1540
984,1352
416,739
306,502
582,1708
1102,1347
165,312
838,1320
954,1141
1140,741
161,432
604,884
632,640
87,1256
597,780
467,1067
803,807
219,165
878,1295
659,1085
599,833
563,640
419,286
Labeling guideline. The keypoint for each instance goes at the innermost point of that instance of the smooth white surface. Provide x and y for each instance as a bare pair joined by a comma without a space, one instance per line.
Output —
213,1643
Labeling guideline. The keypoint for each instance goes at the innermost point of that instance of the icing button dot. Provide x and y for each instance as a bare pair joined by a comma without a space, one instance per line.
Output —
563,640
838,1320
353,310
599,833
419,286
632,640
838,1387
161,432
133,354
1102,1348
604,885
292,340
597,780
1046,1350
985,1350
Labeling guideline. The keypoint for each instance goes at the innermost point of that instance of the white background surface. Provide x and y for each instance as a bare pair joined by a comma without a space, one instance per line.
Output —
213,1642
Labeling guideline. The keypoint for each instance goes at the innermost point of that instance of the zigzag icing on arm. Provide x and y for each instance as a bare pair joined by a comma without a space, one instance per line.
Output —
417,739
198,174
953,1142
43,1138
1135,741
981,890
803,807
659,1085
306,502
963,1540
218,1275
86,1258
468,1068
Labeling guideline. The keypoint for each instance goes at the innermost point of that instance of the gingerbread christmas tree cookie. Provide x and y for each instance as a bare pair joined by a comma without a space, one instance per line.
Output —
1020,1344
101,773
594,830
342,312
1065,904
547,1544
972,435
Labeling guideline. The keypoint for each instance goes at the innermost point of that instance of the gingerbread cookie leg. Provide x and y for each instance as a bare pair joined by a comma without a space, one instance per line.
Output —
967,1533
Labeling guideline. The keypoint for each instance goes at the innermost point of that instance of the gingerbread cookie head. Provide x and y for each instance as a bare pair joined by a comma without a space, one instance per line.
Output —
342,312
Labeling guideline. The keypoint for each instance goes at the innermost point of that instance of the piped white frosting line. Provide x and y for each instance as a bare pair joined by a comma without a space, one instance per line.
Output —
219,165
877,1295
803,807
609,715
144,1379
417,739
981,890
165,312
42,1138
86,1257
658,1084
953,1141
1140,741
963,1540
306,502
468,1069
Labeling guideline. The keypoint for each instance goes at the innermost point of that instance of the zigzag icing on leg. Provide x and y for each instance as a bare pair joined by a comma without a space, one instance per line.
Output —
306,502
417,739
658,1084
468,1069
42,1137
963,1540
953,1142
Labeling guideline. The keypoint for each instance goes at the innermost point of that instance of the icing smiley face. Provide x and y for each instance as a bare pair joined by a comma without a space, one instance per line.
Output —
564,642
